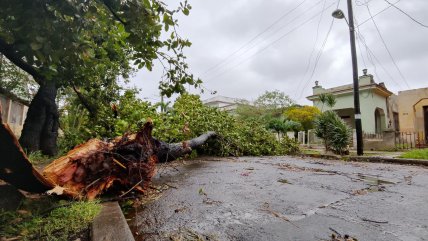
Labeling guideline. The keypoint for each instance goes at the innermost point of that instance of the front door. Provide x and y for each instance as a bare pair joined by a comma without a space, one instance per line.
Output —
426,123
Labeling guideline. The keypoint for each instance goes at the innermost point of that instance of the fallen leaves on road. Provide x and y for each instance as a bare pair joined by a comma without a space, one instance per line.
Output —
202,192
187,234
336,236
285,181
360,192
266,208
245,174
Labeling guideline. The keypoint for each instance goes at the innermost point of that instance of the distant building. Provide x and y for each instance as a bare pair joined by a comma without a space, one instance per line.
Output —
374,102
14,111
412,106
386,117
224,103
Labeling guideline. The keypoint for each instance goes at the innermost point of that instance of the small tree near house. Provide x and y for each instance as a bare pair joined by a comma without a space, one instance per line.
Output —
334,131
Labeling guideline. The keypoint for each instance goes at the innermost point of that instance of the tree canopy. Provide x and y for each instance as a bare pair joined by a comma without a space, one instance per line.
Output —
305,115
273,100
85,46
76,42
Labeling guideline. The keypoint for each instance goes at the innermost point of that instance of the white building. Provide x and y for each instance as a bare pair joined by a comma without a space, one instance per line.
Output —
224,103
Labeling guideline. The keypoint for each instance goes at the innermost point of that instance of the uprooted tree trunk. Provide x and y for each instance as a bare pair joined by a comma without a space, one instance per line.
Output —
126,163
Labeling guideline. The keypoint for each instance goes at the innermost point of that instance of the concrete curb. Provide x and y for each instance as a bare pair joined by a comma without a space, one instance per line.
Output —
417,162
111,225
322,156
374,159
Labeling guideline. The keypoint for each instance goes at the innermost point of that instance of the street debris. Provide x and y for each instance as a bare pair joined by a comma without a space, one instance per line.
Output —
266,208
285,181
336,236
245,174
122,165
373,221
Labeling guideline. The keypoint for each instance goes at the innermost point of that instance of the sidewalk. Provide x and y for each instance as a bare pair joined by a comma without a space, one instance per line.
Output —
369,156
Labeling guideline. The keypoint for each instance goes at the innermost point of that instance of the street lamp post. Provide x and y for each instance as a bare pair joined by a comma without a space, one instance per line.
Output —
339,14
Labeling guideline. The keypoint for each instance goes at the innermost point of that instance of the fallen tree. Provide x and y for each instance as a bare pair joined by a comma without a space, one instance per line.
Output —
123,164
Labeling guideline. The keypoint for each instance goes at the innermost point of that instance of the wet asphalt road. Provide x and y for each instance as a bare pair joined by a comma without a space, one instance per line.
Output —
286,198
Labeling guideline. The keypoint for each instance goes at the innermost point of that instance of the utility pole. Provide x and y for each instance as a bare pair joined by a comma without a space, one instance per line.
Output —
357,113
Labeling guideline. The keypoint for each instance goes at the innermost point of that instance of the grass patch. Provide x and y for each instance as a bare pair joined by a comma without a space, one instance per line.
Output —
310,152
38,159
61,223
416,154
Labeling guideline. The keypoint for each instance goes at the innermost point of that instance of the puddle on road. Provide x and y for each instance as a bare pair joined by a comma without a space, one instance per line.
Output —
375,181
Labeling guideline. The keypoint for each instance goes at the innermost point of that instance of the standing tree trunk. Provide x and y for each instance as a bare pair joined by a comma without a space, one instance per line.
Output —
40,130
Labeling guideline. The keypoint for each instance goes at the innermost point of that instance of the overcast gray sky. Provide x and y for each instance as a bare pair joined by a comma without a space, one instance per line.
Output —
242,48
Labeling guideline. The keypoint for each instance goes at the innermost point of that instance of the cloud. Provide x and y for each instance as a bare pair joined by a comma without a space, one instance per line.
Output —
278,58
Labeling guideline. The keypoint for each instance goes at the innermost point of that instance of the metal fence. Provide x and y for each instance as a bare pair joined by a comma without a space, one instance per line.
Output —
410,140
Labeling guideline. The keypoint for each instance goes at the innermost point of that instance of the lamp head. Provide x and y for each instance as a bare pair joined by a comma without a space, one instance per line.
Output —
338,14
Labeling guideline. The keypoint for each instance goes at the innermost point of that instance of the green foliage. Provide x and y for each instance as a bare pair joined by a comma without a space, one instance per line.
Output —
90,43
327,99
334,131
304,115
78,125
416,154
273,100
237,137
292,125
188,118
14,80
267,109
59,224
37,158
277,125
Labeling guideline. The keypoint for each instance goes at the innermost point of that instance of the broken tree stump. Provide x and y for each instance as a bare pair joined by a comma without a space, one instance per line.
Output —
125,163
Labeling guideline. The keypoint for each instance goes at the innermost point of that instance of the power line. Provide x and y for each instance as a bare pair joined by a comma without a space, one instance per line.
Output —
383,10
371,56
319,53
251,47
399,9
313,48
252,39
270,44
367,53
318,58
386,47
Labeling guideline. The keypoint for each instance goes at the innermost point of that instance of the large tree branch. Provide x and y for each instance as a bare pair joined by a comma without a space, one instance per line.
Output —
168,152
89,106
8,51
113,12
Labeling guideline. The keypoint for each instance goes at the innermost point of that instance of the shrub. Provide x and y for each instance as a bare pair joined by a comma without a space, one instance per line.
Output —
188,118
334,131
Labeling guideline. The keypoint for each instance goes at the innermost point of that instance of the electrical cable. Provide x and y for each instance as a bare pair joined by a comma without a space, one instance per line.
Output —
408,15
319,54
252,39
270,44
372,56
252,46
383,10
317,59
386,47
313,48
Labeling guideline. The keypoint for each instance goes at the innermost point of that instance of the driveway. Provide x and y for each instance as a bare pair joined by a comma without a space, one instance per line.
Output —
285,198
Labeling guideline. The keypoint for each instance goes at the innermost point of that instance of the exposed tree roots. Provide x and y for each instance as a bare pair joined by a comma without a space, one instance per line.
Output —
124,164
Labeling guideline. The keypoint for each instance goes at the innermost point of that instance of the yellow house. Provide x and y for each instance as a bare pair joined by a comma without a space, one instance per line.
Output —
412,107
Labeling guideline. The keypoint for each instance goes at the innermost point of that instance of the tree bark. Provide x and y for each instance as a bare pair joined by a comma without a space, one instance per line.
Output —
169,152
123,164
40,130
